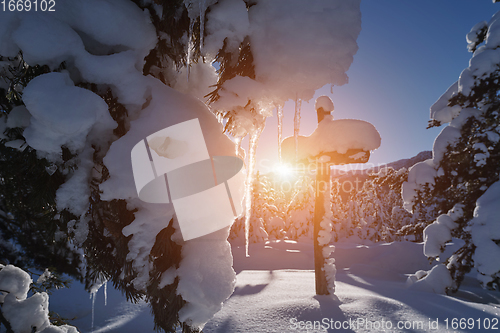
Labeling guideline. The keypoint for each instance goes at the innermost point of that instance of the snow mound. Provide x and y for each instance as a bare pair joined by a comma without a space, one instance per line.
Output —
426,171
227,21
203,258
333,136
23,313
485,232
62,114
14,281
290,61
436,280
324,102
483,62
206,278
300,60
438,232
473,35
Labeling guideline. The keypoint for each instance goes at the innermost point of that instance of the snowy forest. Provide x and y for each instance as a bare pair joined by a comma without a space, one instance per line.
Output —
414,243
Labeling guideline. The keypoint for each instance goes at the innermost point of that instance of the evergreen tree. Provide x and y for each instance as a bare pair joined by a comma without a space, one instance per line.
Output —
373,211
367,213
342,213
35,233
28,187
300,210
17,313
465,155
275,225
42,236
396,218
266,219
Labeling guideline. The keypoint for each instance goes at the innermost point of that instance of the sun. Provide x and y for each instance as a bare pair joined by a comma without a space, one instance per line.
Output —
284,170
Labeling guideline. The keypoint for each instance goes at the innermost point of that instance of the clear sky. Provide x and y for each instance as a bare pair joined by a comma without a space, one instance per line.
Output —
409,53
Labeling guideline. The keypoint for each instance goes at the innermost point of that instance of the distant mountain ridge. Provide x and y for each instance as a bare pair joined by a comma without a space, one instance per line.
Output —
354,179
360,176
396,165
408,162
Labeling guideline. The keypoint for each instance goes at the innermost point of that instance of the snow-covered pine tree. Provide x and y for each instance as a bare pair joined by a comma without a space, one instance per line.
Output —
367,213
372,211
342,213
395,217
267,220
43,224
300,210
25,303
265,196
274,209
259,213
33,233
466,156
485,234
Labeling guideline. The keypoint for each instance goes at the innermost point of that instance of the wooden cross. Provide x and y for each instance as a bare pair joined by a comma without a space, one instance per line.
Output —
322,163
322,177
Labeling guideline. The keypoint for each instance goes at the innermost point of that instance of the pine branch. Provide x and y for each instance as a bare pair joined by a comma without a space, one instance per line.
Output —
5,323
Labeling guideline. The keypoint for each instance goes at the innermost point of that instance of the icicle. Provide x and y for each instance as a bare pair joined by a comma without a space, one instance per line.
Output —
92,297
279,111
237,145
331,88
190,48
296,124
202,23
254,140
93,293
106,293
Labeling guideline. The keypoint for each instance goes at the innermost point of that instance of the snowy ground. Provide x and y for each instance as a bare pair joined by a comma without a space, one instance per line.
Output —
275,293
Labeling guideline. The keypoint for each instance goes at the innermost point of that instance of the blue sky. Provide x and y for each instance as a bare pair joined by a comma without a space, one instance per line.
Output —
409,53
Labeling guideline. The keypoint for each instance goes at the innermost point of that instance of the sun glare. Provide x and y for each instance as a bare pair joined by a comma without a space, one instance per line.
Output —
284,170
